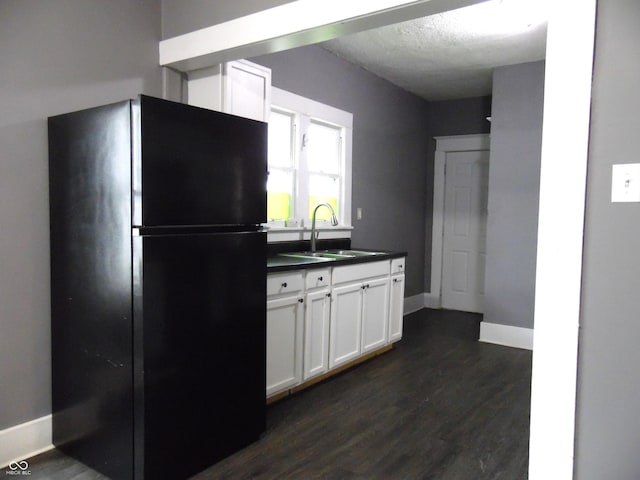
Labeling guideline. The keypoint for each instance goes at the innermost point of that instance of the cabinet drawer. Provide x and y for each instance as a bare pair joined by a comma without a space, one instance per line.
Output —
351,273
279,283
318,278
398,265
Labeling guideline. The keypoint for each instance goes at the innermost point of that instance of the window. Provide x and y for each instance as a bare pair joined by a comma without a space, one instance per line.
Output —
282,173
309,161
324,164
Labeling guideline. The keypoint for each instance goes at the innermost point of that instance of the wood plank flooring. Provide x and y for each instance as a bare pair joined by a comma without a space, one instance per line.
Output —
440,405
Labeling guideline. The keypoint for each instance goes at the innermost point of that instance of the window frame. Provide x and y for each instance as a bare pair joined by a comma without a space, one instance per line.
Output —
305,110
293,167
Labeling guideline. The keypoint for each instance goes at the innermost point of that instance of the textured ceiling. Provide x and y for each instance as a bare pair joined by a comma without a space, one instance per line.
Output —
449,55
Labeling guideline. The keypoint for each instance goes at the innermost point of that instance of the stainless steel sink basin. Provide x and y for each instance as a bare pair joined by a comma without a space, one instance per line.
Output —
323,254
307,257
332,254
354,253
286,259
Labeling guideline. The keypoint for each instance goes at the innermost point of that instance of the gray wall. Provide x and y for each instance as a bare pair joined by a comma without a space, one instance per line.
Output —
514,189
183,16
390,146
451,117
57,57
608,402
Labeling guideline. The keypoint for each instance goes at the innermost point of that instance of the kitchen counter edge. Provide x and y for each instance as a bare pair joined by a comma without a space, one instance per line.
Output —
332,263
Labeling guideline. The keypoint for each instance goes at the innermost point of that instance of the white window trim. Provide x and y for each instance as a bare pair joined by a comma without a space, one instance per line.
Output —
296,103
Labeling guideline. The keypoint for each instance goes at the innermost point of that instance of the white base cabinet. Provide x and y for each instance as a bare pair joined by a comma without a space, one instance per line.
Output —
284,343
396,299
317,312
285,310
396,307
316,333
359,311
346,323
375,316
320,319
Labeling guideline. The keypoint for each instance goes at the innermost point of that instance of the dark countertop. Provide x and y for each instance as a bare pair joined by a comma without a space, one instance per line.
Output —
278,262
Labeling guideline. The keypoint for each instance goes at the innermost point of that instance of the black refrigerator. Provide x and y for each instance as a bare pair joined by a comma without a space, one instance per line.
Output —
158,284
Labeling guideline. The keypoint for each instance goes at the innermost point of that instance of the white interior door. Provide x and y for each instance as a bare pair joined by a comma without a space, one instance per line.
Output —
465,230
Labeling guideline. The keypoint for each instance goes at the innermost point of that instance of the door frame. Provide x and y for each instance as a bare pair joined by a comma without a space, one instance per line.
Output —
445,145
565,141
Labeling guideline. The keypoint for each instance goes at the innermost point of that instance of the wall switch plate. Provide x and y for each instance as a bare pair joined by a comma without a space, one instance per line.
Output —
625,183
358,213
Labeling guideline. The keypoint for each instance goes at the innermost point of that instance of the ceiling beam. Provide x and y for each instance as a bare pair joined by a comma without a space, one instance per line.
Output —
291,25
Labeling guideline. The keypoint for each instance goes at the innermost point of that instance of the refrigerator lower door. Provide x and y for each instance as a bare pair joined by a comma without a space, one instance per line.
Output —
199,343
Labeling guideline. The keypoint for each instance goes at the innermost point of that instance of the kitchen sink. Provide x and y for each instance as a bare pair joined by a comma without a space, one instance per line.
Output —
309,257
335,254
317,255
354,253
284,259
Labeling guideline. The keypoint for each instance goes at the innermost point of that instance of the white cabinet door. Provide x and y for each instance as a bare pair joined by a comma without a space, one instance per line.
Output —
247,90
375,313
284,343
240,87
396,308
346,323
316,333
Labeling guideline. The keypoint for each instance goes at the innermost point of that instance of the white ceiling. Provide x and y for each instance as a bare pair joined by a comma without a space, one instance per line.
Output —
450,55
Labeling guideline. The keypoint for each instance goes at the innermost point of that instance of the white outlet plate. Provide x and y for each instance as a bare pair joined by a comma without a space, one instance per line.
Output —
625,183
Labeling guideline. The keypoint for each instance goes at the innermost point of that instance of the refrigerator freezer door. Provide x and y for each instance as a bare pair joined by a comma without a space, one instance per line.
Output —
199,336
195,166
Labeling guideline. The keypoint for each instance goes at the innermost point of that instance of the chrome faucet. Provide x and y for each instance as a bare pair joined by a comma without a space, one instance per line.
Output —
334,222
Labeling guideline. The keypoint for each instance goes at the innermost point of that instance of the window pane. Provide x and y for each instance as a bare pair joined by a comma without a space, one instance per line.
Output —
323,188
280,139
323,148
279,195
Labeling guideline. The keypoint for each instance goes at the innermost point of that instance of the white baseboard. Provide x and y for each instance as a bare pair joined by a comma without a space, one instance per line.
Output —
432,300
507,335
420,301
413,304
25,440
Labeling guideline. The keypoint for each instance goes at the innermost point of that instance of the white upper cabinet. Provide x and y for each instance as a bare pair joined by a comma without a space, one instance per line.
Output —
240,87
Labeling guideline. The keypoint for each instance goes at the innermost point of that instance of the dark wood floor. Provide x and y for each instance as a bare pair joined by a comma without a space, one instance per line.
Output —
438,406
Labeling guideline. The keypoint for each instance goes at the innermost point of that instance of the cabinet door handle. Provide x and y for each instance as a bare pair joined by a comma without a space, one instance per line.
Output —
366,286
395,280
301,300
328,295
319,279
284,284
